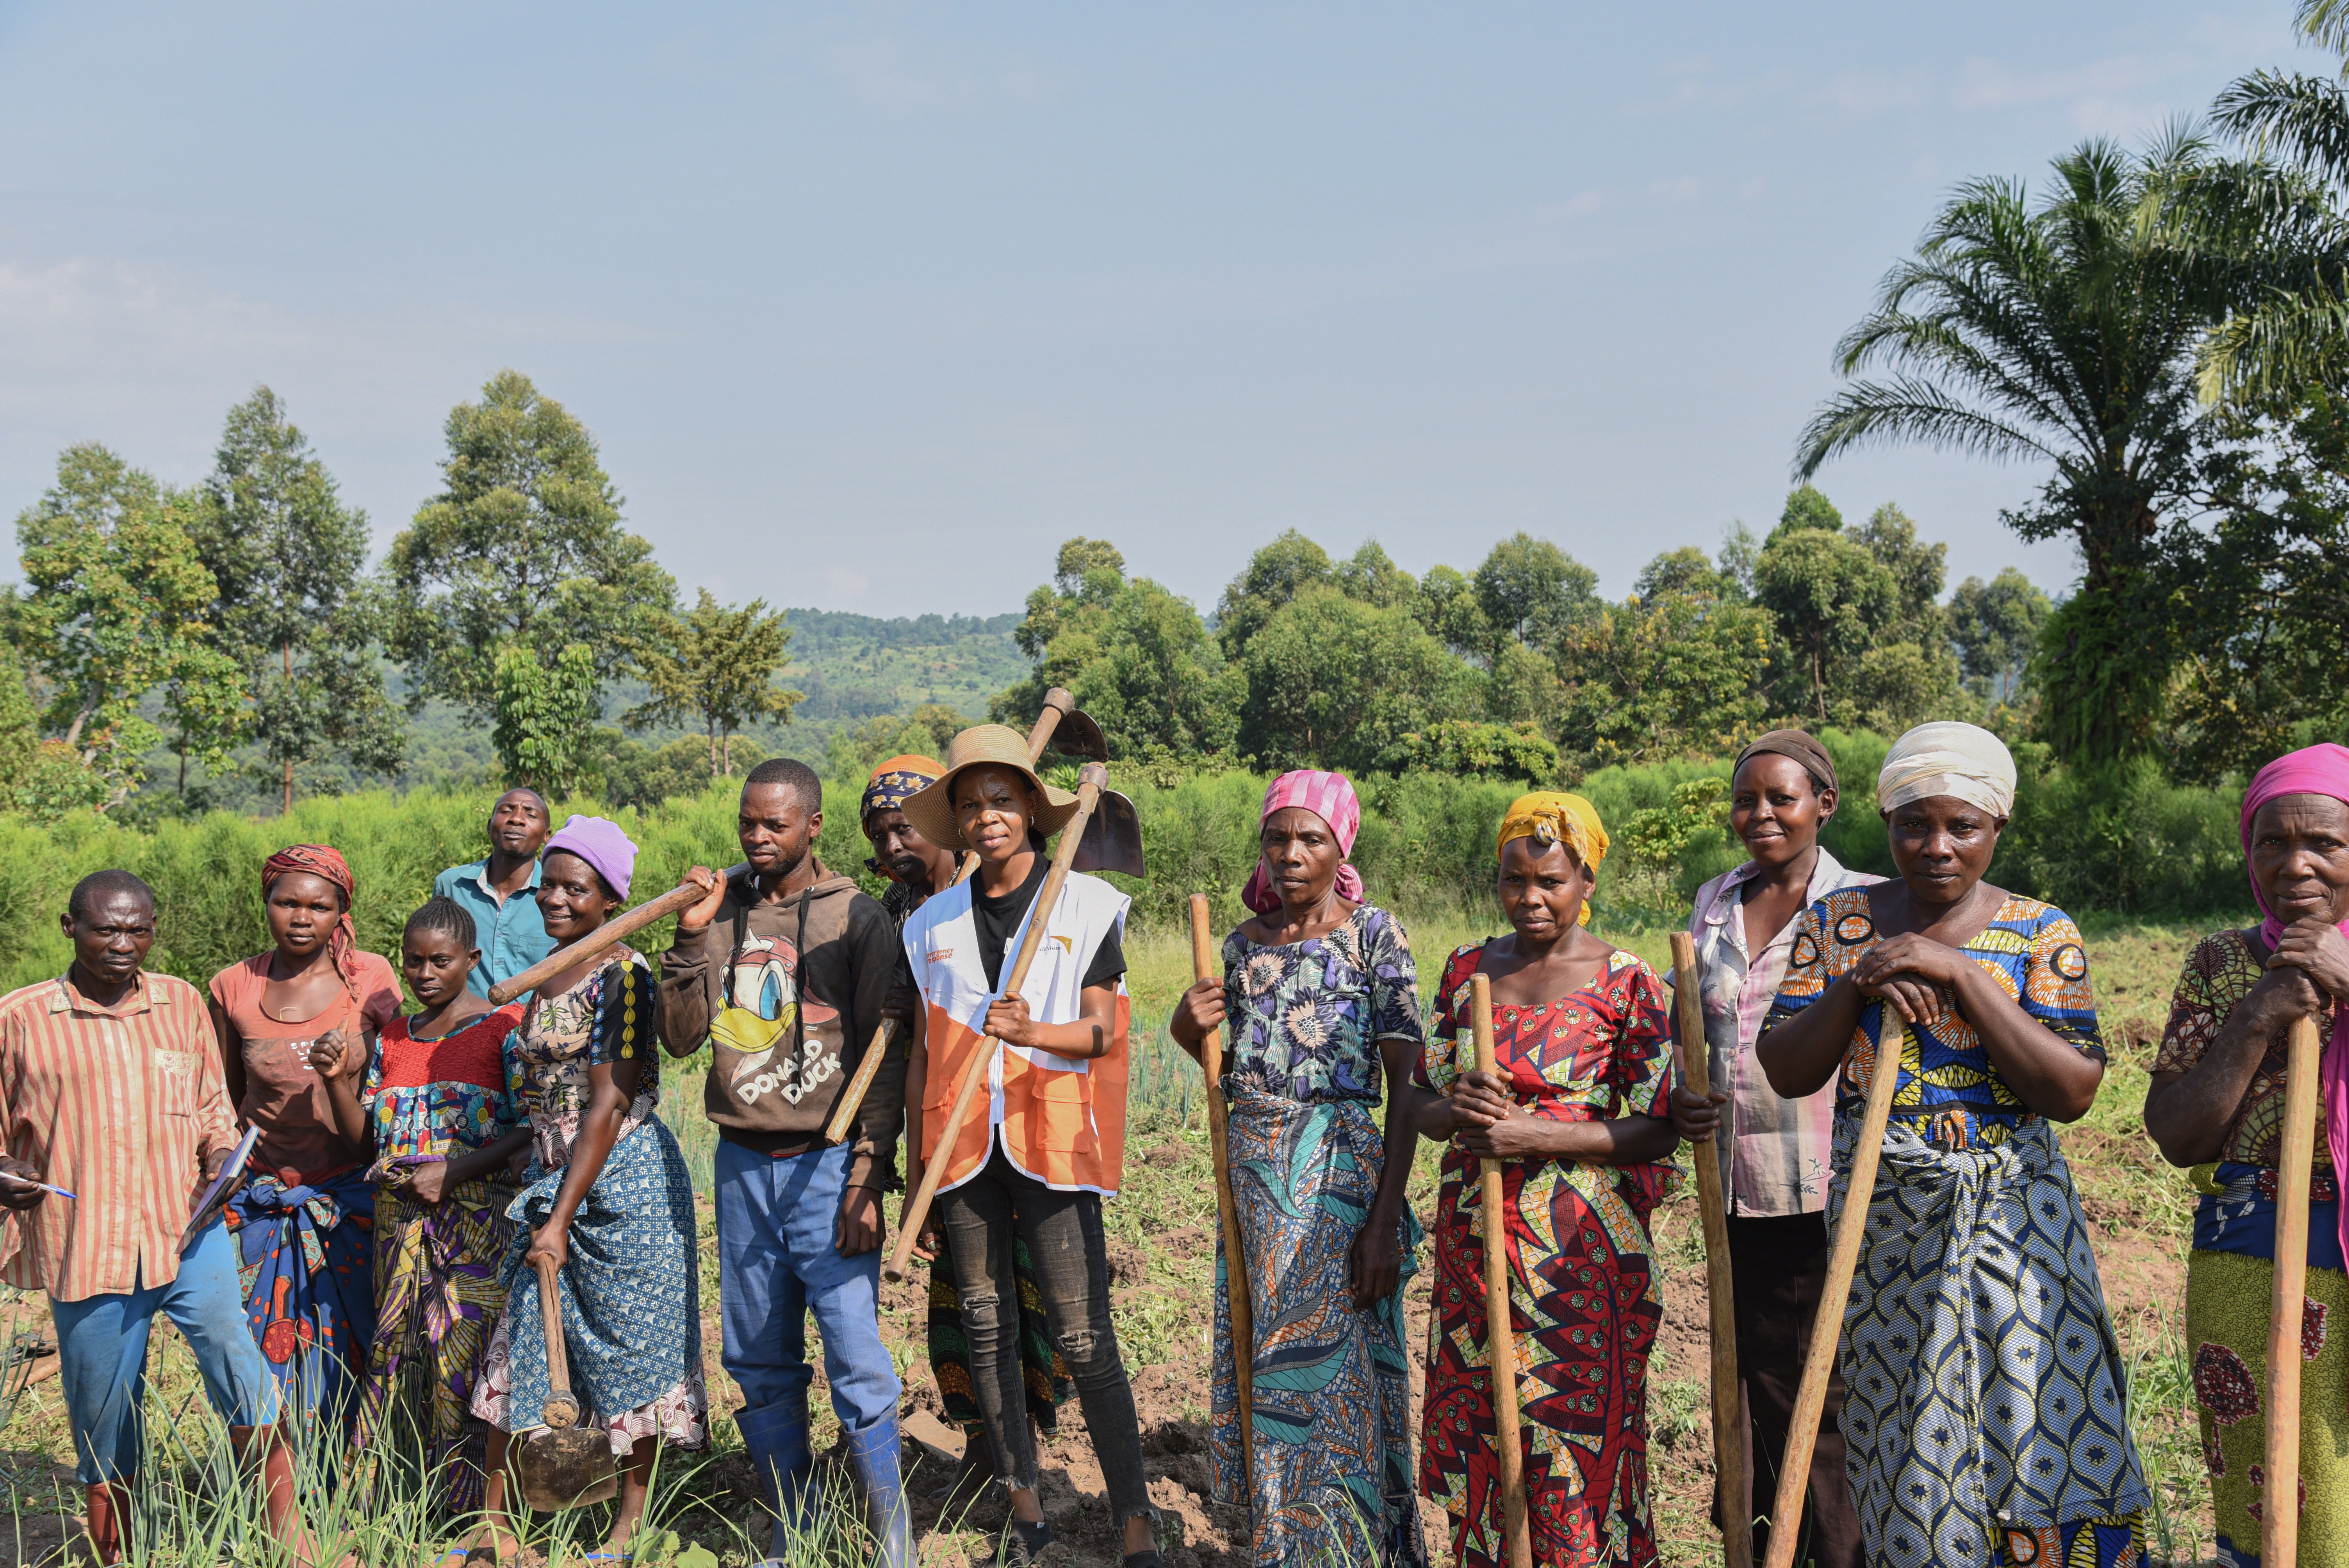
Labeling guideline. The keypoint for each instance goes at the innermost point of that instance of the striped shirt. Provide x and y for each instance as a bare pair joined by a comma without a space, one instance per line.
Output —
118,1106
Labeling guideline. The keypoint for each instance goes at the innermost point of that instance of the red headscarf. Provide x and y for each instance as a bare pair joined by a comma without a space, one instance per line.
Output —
343,942
2311,771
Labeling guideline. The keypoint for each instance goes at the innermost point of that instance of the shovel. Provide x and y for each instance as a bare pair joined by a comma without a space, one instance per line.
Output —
567,1464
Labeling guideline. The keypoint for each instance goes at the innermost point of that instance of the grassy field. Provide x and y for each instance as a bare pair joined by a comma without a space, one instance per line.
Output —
1162,1253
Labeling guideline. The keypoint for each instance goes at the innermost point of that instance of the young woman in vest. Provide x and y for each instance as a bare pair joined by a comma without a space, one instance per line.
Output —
1323,1002
1037,1155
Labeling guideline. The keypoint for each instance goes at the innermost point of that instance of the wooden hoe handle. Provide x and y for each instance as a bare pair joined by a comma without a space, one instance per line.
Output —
1236,1272
1095,778
1827,1329
1500,1340
562,1407
844,1117
2279,1520
609,934
1728,1414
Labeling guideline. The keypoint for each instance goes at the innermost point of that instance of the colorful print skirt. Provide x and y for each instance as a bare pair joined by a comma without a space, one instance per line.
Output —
308,1283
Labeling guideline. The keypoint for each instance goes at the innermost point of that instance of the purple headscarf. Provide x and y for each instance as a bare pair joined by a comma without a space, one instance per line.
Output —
599,841
2311,771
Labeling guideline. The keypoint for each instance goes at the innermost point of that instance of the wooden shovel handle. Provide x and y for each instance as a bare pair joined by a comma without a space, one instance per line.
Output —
844,1117
1692,1059
613,932
1827,1329
1095,778
562,1409
1500,1337
2279,1520
1219,1142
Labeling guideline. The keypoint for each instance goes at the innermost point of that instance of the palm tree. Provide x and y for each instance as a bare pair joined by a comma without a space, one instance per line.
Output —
2063,330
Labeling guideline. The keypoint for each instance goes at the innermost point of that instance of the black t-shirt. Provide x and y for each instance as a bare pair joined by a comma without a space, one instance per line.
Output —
998,918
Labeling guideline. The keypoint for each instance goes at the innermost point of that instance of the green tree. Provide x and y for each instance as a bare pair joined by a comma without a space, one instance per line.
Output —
117,605
545,728
1372,577
1463,748
523,545
1678,674
1735,564
716,666
1681,571
1446,604
285,554
1831,598
1335,682
1531,589
1275,575
2061,330
1996,626
1806,508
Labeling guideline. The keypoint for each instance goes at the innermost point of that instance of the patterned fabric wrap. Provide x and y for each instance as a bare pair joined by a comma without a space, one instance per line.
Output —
1550,817
308,1283
343,942
2032,949
1983,1385
1042,1373
1331,1414
437,1269
2228,1298
1328,796
1585,1295
896,780
1306,1016
606,1018
2216,978
631,1291
418,1107
2236,1212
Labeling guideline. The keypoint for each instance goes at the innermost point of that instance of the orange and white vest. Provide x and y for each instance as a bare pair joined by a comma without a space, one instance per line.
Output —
1061,1118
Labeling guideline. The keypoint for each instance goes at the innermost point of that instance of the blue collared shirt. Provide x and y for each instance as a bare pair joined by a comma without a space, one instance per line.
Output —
511,935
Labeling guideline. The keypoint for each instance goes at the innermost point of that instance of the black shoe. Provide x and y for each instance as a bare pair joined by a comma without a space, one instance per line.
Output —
1022,1544
1146,1558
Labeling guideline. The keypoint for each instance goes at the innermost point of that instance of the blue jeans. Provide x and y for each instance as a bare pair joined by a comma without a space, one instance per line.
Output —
778,1260
102,1357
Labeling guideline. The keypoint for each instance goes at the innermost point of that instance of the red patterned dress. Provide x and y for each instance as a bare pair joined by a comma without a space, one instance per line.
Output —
1586,1298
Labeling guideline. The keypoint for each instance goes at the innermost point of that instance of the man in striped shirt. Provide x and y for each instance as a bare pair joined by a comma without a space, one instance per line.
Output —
110,1090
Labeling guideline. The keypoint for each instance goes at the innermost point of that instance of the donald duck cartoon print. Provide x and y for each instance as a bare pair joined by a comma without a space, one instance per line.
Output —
765,1022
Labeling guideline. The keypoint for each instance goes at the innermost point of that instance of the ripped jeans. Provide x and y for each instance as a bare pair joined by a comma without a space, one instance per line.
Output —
1071,1268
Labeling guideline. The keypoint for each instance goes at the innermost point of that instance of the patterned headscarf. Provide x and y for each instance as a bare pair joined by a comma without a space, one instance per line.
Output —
1963,760
343,942
1328,796
1552,817
896,780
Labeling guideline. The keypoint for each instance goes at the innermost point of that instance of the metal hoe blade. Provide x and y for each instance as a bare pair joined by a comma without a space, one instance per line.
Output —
1077,736
1112,840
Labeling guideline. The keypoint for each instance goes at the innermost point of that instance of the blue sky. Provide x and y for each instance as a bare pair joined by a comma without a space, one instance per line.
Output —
872,306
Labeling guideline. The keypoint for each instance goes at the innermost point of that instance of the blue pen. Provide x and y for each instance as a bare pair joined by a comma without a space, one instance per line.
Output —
61,1192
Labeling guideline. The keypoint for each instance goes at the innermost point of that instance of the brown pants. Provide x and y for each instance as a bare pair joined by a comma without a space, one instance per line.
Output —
1777,1268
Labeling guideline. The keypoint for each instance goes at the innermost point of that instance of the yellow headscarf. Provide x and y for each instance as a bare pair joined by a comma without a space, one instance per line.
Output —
1552,817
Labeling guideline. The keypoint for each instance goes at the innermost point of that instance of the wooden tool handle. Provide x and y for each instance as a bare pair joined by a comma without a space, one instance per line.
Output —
1827,1329
1219,1142
1500,1338
617,929
1092,781
2279,1520
562,1409
867,1070
1692,1059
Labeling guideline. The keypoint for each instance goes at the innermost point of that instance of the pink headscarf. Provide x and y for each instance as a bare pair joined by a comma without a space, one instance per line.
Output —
2311,771
1329,797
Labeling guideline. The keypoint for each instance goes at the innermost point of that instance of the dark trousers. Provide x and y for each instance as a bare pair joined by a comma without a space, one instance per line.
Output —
1778,1266
1069,1266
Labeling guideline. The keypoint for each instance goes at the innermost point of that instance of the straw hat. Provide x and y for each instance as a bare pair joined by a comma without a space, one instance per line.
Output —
932,811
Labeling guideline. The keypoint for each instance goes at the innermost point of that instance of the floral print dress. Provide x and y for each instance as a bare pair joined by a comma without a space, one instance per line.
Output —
1330,1465
1586,1298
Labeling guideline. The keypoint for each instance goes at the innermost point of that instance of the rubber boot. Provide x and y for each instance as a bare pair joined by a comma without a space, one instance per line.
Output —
776,1438
108,1513
874,1454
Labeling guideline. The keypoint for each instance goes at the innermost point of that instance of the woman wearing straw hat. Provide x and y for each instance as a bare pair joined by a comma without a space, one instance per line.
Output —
1050,1144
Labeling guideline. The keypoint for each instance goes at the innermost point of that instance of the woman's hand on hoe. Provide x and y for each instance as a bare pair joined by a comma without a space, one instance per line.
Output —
1200,1010
552,1243
1696,1117
1914,975
1491,1121
2315,949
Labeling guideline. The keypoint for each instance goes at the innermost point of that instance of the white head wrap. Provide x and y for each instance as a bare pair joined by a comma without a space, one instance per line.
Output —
1963,760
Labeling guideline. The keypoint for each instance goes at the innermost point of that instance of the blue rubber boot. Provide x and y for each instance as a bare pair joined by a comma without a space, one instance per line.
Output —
874,1455
776,1437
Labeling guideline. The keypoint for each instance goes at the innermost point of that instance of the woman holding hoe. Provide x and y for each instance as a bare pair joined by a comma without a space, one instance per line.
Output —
302,1221
2216,1103
1775,1153
432,1106
1323,1003
1050,1144
606,1174
1983,1410
1576,1116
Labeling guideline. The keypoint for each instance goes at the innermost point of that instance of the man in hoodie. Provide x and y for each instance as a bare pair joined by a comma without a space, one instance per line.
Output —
786,972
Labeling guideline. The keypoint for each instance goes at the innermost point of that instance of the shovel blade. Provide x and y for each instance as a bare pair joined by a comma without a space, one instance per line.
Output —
562,1469
1113,839
1078,738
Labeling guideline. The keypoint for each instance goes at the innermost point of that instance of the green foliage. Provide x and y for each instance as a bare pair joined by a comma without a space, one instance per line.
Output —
1831,599
285,555
1445,603
1531,589
1336,683
116,605
1996,626
855,750
1806,508
644,775
523,545
717,667
1372,577
1275,575
1677,674
544,717
1463,748
1662,835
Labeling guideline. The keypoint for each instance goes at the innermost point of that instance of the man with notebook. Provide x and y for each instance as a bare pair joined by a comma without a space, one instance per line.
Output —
110,1090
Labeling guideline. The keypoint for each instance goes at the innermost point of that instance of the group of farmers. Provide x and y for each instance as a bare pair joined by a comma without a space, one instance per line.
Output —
412,1177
